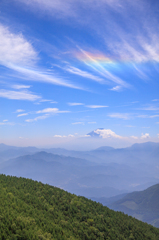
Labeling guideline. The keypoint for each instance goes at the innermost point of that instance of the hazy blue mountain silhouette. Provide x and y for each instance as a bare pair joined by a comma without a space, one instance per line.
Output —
143,205
103,172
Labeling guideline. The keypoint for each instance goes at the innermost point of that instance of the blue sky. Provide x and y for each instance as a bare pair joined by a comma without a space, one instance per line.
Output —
71,67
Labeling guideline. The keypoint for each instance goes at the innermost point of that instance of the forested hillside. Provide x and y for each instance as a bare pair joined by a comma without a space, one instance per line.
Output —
32,210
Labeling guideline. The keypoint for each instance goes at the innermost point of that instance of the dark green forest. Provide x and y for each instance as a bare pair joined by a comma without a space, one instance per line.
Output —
32,210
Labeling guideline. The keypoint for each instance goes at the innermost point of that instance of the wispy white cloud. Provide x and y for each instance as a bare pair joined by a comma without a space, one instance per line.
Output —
152,108
84,74
145,136
147,116
135,46
22,114
76,123
96,106
135,102
126,50
151,48
154,116
35,74
15,49
45,100
63,136
20,86
19,95
37,118
51,111
134,137
70,135
149,108
17,54
91,122
125,116
155,100
142,116
59,136
69,8
116,89
19,110
22,138
52,7
140,73
7,123
75,104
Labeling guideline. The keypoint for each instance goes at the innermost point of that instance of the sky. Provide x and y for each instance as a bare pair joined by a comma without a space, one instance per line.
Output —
68,68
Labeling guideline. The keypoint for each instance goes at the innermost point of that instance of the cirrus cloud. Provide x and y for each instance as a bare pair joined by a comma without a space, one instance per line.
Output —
84,74
124,116
75,104
15,49
23,114
19,95
96,106
18,55
76,123
37,118
51,111
18,86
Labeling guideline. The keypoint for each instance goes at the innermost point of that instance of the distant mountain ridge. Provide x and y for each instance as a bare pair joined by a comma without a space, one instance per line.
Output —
104,148
102,172
69,173
143,205
102,154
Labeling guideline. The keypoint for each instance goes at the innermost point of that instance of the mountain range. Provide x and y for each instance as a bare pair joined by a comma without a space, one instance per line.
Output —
143,205
102,172
105,175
